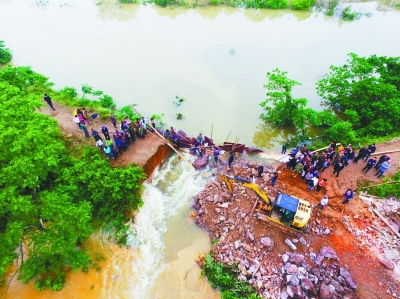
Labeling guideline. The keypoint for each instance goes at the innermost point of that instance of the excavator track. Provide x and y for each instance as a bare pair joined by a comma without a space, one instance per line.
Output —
287,230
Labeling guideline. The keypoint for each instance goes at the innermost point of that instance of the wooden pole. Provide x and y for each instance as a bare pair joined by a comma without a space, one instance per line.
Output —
320,149
228,135
252,210
166,142
386,152
387,183
386,222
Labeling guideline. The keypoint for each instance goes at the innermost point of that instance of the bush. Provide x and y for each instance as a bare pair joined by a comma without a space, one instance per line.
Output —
125,111
69,93
5,53
225,278
303,4
107,101
349,15
341,131
276,4
104,113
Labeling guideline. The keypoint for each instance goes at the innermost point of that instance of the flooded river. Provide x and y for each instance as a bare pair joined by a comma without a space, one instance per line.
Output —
215,58
165,244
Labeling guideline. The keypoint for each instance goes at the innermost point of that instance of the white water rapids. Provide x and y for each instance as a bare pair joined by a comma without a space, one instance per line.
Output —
163,265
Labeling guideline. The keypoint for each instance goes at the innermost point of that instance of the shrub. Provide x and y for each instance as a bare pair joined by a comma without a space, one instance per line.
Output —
5,53
341,131
107,101
349,15
276,4
69,93
303,4
124,112
104,113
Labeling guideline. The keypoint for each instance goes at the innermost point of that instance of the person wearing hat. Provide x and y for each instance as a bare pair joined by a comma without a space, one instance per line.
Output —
383,168
323,202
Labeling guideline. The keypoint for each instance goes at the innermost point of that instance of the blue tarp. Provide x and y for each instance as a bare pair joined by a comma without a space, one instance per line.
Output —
287,202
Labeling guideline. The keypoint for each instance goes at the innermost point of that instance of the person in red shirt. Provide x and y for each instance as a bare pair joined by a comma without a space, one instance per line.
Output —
321,184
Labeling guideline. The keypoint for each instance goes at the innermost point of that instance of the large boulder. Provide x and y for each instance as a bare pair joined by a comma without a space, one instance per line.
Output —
308,286
268,243
328,252
297,259
201,162
324,292
347,277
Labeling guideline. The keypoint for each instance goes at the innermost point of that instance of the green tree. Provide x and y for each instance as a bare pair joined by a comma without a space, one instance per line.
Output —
367,91
48,199
303,4
284,110
5,53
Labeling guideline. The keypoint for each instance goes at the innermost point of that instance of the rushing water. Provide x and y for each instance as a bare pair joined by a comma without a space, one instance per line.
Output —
214,57
161,260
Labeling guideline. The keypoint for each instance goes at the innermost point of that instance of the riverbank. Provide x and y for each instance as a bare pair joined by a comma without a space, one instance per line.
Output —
147,153
338,255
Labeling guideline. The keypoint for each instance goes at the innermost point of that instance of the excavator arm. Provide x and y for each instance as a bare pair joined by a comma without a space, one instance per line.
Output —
256,188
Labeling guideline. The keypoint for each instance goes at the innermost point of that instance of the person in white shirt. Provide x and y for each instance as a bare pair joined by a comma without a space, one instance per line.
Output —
100,144
77,121
323,202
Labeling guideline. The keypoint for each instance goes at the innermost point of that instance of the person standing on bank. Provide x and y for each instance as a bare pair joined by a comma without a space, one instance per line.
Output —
361,154
383,168
84,128
200,139
274,178
216,154
48,100
348,196
104,130
113,120
323,203
370,150
285,146
231,158
370,164
337,168
260,170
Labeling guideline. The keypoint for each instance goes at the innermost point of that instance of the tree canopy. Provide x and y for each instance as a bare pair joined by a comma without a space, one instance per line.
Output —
284,110
367,91
5,53
49,200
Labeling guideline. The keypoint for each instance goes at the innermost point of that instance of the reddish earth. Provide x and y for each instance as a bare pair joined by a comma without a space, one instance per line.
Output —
373,279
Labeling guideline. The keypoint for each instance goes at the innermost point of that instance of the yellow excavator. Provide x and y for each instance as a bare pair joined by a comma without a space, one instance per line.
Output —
286,210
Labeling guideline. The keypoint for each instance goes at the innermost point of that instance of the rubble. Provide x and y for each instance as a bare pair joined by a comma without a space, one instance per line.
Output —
298,273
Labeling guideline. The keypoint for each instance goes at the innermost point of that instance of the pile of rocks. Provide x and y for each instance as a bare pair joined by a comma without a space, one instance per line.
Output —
324,279
228,218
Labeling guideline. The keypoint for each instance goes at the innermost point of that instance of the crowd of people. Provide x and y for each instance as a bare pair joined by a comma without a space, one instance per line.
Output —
311,165
122,137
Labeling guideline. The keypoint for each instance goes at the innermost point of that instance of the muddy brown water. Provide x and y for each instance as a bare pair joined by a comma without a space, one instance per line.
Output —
216,58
